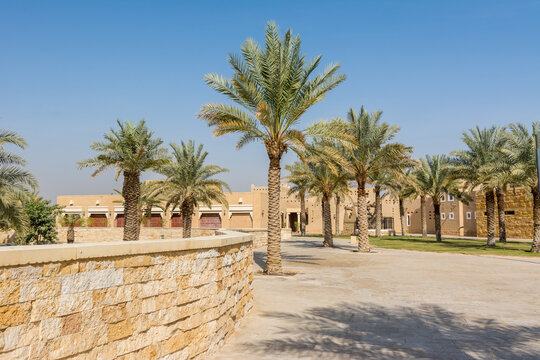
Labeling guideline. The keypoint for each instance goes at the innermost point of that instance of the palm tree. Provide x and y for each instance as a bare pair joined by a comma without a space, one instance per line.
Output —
15,183
297,177
367,151
474,166
273,86
71,220
189,181
400,187
435,177
520,150
132,150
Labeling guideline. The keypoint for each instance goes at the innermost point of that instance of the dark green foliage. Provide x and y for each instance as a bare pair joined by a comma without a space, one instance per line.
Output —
42,222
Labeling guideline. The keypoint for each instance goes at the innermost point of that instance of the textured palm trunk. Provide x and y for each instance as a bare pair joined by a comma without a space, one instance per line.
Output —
338,203
362,217
437,211
70,236
302,214
536,220
490,210
500,212
327,221
423,215
131,190
187,216
273,260
402,216
378,211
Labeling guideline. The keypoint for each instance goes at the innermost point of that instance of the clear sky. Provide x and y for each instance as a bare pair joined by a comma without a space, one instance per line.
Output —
68,69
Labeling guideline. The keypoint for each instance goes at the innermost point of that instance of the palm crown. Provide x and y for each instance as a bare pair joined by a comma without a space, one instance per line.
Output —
132,148
274,87
435,177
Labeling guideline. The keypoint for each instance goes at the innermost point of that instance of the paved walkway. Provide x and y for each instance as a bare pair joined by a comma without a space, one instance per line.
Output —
391,304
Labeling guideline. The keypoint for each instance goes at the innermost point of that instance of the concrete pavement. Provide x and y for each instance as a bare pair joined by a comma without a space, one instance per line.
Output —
391,304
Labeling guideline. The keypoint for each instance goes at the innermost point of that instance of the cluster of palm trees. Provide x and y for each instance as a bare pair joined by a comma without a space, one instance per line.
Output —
133,149
273,85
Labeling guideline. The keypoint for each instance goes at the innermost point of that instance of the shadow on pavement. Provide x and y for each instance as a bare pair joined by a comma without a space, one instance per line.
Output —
259,257
363,330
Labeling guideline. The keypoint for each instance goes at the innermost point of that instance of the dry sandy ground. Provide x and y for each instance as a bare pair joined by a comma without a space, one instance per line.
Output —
390,305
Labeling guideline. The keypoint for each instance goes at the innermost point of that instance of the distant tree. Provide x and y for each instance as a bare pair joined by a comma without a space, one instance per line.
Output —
300,187
435,177
189,181
474,166
70,221
132,150
15,183
400,186
42,221
520,149
273,86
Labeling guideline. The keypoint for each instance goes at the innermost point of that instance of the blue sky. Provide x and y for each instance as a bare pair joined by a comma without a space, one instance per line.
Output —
68,69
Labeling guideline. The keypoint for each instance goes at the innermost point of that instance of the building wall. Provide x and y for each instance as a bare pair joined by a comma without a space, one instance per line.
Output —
257,201
144,300
519,213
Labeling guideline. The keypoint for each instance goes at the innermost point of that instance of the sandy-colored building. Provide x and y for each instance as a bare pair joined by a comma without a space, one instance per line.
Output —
249,210
518,203
457,217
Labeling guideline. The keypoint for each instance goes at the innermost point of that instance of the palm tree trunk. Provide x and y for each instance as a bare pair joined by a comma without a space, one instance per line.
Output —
536,220
70,236
338,203
187,216
502,218
273,261
131,191
423,215
437,211
327,218
302,214
402,216
378,211
362,217
490,209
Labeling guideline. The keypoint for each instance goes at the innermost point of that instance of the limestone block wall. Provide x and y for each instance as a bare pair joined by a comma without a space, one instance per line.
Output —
100,234
158,299
519,222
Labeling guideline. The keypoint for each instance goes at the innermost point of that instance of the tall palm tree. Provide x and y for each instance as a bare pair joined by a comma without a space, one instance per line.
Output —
300,187
367,151
435,177
520,150
273,86
15,183
131,150
474,166
189,181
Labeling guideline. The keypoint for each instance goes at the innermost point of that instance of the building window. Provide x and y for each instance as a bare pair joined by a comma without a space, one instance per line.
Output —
475,215
443,198
443,216
510,212
469,215
450,198
408,219
451,216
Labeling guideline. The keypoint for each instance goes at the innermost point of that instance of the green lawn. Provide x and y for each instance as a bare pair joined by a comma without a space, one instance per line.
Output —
448,245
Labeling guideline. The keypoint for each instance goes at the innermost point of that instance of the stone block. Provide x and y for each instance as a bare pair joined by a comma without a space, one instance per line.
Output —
91,280
9,292
134,261
119,330
71,324
72,303
43,309
49,329
114,313
15,314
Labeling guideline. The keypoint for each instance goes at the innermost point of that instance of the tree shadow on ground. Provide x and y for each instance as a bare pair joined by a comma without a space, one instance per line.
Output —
369,331
259,257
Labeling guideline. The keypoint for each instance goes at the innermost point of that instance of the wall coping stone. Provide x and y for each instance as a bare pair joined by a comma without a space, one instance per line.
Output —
36,254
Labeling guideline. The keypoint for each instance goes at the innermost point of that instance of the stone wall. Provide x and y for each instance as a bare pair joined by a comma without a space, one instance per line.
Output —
131,300
99,234
519,214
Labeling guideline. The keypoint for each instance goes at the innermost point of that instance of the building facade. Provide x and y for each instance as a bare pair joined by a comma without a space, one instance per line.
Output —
249,210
